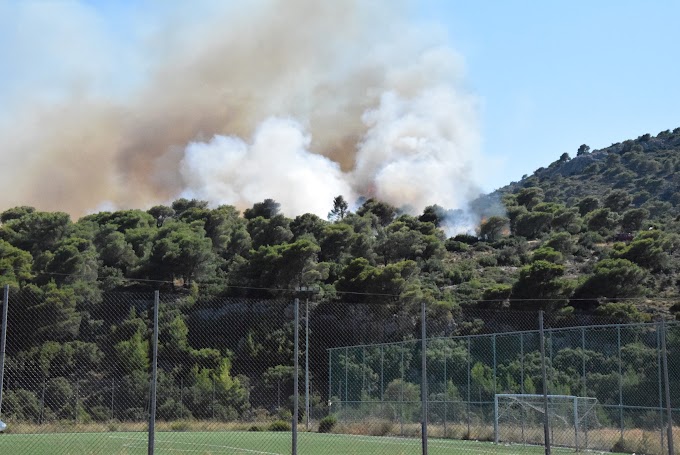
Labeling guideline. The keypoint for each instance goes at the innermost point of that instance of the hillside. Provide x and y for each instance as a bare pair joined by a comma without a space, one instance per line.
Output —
564,236
645,168
592,237
603,224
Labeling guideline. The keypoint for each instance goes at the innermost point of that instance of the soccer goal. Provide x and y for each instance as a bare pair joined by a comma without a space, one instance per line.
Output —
519,418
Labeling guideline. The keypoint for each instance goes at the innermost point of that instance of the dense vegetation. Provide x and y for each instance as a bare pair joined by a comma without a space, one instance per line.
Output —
583,236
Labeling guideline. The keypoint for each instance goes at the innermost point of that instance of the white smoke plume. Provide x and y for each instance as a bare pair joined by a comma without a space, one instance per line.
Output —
228,170
295,100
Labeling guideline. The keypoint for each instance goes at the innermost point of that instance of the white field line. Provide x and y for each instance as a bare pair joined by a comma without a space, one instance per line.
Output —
467,445
238,449
414,441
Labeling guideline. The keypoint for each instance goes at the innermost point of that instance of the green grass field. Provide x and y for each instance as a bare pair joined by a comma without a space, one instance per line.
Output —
246,443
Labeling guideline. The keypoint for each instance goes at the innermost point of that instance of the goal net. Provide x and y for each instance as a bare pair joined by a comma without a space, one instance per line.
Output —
519,418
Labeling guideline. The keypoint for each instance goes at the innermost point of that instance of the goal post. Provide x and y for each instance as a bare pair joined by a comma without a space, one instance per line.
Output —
519,418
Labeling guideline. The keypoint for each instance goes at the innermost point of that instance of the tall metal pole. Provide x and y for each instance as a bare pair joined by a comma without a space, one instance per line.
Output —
307,364
330,380
664,353
382,376
585,385
423,378
493,347
546,417
401,394
495,418
3,338
154,376
346,375
446,388
660,374
469,359
363,370
576,419
521,356
618,344
495,395
296,373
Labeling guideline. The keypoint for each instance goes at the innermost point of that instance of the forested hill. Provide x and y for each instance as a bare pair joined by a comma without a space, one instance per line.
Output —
604,223
646,169
584,234
593,236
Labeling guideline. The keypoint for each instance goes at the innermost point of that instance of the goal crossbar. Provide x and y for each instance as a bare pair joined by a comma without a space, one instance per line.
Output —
569,411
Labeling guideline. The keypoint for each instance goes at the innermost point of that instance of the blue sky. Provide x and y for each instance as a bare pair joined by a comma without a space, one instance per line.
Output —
553,75
546,76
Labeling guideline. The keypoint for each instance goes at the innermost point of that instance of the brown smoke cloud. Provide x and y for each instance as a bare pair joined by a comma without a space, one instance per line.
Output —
298,100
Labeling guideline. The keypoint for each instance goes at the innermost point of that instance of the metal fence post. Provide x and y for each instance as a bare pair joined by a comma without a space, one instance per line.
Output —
495,418
546,416
664,353
495,367
446,389
346,377
469,359
584,390
618,347
154,376
576,424
521,350
382,379
363,373
295,375
307,410
585,384
660,387
330,381
423,379
495,392
401,394
3,338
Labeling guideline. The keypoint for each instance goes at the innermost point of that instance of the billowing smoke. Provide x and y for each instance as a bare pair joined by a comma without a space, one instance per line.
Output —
295,100
229,170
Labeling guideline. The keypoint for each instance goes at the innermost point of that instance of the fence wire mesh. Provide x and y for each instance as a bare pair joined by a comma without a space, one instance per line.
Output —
77,368
604,388
78,378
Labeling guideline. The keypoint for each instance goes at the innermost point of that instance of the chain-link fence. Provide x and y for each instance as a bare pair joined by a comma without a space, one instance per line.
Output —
604,387
131,373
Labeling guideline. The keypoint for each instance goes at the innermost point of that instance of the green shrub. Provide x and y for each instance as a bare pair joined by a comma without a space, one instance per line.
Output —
279,425
255,428
284,414
488,260
327,423
100,413
180,425
546,253
455,246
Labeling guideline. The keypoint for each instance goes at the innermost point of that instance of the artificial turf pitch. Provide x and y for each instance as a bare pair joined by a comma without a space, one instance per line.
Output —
245,443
